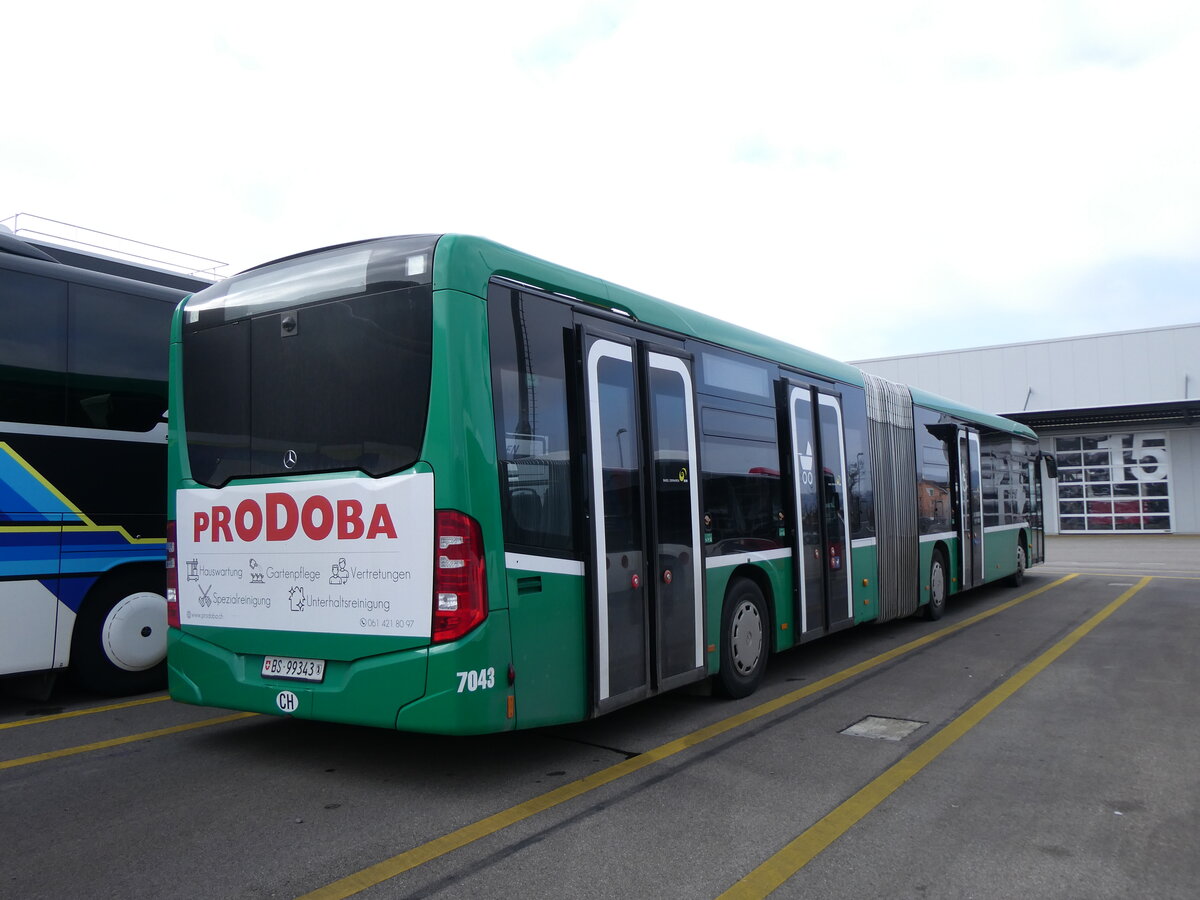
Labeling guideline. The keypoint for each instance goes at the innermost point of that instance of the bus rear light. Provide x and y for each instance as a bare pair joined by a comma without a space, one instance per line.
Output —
172,579
459,588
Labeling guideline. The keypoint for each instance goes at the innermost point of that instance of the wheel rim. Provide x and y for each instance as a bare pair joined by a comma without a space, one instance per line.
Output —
1020,559
937,584
746,637
134,636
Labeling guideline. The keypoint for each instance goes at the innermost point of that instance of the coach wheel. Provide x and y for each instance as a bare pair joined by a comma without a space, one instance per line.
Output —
936,607
744,628
1017,578
120,640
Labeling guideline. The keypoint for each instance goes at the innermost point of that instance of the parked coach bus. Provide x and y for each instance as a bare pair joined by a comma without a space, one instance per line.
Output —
434,484
83,389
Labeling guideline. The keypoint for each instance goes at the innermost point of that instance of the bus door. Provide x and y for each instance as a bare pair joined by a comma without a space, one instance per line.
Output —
1037,524
970,508
646,561
824,600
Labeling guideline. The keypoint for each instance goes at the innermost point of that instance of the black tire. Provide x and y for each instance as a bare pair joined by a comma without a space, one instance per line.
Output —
119,645
938,587
745,645
1017,578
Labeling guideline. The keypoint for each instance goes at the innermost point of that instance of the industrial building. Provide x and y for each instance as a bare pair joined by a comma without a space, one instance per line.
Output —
1119,413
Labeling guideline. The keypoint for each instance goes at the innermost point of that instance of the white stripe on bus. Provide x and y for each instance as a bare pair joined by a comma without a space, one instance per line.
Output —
550,565
989,529
736,559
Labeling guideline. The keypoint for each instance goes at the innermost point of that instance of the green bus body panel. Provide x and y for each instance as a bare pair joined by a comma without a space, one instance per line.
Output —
414,690
444,709
865,567
970,414
1000,552
460,437
363,692
550,647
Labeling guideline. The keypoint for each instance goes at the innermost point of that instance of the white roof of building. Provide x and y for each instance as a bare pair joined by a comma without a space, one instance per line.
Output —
1153,365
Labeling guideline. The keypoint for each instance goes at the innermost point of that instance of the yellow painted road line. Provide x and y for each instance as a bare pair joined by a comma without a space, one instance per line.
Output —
417,856
797,854
116,742
1144,575
37,720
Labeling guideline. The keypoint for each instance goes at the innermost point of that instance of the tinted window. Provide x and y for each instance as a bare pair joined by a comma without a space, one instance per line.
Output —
933,471
342,385
743,501
529,337
117,359
741,425
735,375
33,348
860,497
620,463
216,402
1004,494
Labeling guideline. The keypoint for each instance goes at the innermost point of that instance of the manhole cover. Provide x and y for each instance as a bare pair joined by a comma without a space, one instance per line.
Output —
881,728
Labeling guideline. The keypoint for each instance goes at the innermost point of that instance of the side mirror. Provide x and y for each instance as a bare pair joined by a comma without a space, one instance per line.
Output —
1051,465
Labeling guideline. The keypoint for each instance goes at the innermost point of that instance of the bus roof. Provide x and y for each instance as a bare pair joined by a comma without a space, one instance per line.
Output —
466,263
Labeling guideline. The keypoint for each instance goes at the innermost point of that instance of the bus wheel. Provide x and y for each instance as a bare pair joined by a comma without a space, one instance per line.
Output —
936,607
744,625
120,640
1017,578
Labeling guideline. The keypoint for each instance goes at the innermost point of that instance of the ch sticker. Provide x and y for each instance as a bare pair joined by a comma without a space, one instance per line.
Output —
287,702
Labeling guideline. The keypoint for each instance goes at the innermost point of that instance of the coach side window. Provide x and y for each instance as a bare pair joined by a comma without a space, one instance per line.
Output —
33,348
117,359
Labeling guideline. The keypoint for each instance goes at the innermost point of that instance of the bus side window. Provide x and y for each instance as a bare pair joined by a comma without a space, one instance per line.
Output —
529,395
934,509
742,494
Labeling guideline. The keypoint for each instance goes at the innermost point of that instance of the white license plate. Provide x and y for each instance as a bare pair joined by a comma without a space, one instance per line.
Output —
293,668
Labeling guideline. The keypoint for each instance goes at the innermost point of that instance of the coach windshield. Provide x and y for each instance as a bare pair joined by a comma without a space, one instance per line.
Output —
315,363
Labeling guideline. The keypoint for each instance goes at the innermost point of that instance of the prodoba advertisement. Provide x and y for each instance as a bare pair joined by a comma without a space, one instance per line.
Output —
342,556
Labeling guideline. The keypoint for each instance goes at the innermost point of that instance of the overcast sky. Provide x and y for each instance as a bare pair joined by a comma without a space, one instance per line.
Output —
862,179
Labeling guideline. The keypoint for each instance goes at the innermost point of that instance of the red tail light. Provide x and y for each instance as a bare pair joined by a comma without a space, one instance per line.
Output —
172,579
459,587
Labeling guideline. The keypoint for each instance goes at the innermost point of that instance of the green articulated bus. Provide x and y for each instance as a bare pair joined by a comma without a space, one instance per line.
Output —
434,484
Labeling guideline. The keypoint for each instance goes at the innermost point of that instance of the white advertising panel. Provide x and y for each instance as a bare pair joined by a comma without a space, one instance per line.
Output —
340,556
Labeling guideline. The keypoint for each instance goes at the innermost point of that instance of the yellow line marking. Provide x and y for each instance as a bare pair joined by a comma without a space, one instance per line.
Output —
799,852
116,742
38,720
417,856
1143,574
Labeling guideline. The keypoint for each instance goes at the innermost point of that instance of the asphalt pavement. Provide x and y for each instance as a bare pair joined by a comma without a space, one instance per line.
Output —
1043,743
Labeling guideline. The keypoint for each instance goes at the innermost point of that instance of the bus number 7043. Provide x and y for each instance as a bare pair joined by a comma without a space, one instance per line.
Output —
474,680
